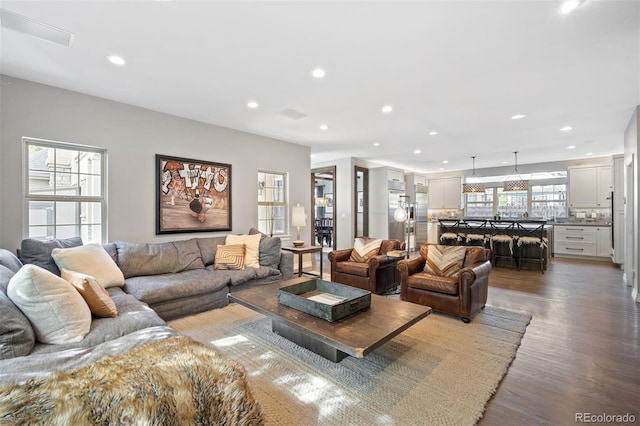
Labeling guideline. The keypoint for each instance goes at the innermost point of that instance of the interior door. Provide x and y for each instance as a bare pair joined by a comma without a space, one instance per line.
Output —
323,190
361,201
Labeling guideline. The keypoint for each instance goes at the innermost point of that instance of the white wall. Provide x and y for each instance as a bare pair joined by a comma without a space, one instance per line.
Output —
132,137
632,186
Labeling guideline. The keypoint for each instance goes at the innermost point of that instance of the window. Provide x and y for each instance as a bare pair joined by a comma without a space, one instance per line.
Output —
549,201
511,205
65,193
545,197
480,204
272,205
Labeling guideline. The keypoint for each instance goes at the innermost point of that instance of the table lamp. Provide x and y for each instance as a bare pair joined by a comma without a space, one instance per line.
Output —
298,219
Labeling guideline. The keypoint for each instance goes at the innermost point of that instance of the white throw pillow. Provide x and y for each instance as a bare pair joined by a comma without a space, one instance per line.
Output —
90,259
55,309
252,242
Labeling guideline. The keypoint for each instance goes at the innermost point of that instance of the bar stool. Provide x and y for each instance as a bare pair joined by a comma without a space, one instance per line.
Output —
531,235
475,232
502,240
450,232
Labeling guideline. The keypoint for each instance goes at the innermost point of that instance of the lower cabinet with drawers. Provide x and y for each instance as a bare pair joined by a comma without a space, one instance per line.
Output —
582,240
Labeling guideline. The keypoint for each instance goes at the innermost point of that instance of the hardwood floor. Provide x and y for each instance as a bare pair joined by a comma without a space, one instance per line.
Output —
581,351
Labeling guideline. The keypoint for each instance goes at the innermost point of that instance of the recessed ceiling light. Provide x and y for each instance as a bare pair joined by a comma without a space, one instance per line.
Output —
376,144
518,116
324,127
387,109
253,104
566,129
417,151
445,161
318,73
569,6
505,162
116,60
571,147
589,153
433,133
441,168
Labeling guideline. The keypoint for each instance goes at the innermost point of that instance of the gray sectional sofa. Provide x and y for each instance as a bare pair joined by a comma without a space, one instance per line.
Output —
162,282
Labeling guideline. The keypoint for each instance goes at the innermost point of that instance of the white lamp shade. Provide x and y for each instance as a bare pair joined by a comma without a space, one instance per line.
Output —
298,217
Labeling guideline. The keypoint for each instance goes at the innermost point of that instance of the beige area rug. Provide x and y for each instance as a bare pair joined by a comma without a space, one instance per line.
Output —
438,372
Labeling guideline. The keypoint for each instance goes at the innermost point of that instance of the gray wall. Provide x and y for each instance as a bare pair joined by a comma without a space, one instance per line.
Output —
132,137
632,187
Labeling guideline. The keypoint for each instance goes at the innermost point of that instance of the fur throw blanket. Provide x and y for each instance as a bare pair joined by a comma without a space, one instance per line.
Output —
174,381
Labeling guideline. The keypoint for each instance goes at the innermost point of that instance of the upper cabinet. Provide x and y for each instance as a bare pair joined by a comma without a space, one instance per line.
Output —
445,193
590,187
395,175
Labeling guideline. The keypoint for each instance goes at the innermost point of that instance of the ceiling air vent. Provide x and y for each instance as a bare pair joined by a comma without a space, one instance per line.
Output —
22,24
293,114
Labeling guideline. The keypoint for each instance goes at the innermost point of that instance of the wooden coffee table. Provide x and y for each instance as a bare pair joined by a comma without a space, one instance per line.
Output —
356,335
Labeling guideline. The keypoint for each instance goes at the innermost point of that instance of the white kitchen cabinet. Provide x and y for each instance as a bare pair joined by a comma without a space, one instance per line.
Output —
590,187
603,186
395,175
603,241
445,193
582,240
433,229
415,179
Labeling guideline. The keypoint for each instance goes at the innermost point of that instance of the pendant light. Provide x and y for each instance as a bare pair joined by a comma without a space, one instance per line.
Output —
515,183
473,185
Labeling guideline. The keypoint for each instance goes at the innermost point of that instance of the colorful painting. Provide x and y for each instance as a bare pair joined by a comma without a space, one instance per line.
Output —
192,195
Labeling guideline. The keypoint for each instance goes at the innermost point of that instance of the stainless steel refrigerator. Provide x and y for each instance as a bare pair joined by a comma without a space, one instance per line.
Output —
420,217
396,229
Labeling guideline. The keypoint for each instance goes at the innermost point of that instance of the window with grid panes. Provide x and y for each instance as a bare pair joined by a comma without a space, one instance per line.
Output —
272,205
480,204
549,201
65,192
511,205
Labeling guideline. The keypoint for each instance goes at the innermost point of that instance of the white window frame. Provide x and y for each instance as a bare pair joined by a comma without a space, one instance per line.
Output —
30,197
558,201
535,179
278,198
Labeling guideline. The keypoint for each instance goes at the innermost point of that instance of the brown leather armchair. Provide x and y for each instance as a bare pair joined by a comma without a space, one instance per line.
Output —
463,295
377,275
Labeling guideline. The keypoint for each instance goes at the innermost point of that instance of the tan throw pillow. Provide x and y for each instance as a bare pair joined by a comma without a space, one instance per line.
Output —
92,292
90,259
252,243
364,248
444,261
230,257
55,309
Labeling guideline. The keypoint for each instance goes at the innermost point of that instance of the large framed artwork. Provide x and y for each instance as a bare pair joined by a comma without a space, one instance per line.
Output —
192,195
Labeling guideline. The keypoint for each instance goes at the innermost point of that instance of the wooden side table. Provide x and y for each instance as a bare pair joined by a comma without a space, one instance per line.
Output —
304,250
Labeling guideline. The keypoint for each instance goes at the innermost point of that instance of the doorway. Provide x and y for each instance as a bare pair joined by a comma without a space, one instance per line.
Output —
323,190
361,201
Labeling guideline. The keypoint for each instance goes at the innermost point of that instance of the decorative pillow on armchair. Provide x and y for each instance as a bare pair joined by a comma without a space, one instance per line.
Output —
364,248
444,261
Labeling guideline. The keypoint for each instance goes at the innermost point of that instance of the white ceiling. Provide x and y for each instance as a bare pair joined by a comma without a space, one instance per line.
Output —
461,68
